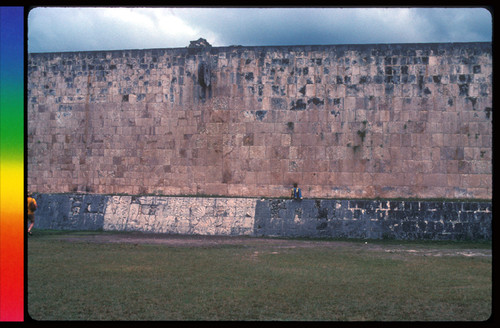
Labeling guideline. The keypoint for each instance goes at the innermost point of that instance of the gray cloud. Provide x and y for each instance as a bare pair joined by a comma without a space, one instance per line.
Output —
455,24
80,29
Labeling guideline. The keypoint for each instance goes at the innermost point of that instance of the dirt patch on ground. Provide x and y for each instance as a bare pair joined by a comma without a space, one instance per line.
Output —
277,243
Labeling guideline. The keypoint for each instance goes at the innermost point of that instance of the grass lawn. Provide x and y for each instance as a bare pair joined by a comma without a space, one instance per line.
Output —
126,281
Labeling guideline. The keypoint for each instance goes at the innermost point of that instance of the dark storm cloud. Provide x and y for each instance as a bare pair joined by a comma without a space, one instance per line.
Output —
455,24
288,26
76,29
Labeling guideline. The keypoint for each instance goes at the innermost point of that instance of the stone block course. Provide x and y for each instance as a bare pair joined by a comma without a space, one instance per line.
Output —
390,120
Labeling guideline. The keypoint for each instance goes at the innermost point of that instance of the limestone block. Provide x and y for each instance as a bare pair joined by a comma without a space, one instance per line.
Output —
336,88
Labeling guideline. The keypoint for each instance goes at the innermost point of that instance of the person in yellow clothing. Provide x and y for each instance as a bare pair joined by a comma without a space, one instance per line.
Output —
31,211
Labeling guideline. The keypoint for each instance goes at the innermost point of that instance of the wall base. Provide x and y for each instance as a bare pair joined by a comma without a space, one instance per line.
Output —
315,218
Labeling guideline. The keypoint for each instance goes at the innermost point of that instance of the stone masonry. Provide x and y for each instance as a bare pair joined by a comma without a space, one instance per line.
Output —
343,121
180,215
326,218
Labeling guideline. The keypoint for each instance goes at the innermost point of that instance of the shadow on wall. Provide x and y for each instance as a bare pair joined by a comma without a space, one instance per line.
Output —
315,218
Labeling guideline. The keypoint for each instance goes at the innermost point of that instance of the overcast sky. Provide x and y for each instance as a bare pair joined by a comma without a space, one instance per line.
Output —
81,29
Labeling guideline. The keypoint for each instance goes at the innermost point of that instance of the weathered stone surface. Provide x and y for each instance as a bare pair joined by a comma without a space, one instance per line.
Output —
70,212
181,215
344,121
373,219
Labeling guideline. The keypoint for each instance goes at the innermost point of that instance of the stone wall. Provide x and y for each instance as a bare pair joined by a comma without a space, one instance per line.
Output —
367,219
374,219
343,121
180,215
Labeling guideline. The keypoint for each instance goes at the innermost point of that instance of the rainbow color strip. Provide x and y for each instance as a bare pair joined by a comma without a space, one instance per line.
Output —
11,164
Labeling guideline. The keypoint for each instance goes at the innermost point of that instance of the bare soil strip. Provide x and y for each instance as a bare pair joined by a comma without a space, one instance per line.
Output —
246,241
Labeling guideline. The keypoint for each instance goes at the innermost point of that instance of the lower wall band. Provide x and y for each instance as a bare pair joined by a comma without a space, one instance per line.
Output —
373,219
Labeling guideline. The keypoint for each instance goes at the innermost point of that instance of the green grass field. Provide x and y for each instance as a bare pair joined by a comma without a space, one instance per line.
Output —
83,280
